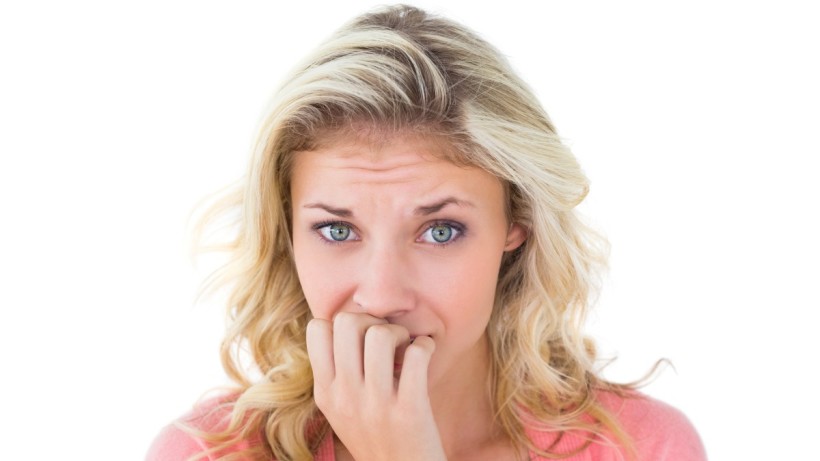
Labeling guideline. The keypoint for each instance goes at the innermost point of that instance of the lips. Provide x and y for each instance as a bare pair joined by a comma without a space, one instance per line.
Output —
413,337
399,359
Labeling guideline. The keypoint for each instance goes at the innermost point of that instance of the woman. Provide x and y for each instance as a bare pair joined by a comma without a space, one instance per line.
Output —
409,275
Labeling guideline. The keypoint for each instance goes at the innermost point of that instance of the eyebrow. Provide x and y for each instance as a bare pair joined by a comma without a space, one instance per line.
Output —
340,212
423,210
430,209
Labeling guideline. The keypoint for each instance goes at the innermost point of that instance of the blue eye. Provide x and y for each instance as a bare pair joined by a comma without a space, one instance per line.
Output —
441,233
337,232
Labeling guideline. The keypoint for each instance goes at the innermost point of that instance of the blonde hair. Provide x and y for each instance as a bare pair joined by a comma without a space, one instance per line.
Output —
400,69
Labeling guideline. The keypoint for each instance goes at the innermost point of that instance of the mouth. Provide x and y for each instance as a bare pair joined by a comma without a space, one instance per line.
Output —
399,359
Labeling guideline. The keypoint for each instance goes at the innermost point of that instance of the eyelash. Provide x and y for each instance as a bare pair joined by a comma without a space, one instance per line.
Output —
458,228
320,225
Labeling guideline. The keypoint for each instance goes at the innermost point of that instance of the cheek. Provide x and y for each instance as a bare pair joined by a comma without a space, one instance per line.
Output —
319,288
464,292
463,303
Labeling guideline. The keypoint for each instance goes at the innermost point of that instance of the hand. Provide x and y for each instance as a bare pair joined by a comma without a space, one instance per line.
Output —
376,415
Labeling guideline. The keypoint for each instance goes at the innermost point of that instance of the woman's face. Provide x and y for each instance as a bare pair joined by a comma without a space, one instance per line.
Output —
391,230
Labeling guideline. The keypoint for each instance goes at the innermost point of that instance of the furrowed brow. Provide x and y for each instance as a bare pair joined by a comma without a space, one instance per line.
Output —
430,209
340,212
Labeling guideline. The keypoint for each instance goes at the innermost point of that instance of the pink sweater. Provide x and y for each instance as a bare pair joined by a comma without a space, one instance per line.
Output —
659,432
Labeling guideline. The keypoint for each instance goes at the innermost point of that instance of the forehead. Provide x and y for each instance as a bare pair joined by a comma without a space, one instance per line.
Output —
377,145
402,164
379,153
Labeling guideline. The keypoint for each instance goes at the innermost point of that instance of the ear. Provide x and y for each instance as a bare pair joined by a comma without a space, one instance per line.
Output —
515,236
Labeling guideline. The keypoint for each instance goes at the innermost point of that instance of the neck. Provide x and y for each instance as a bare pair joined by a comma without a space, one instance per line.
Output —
462,405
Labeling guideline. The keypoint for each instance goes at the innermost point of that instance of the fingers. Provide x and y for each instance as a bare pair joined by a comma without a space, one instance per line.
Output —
380,344
355,359
319,336
359,351
348,344
413,382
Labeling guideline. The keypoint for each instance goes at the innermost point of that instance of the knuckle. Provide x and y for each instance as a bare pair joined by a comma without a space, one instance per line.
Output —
400,331
344,320
425,342
421,347
314,327
415,352
379,333
343,316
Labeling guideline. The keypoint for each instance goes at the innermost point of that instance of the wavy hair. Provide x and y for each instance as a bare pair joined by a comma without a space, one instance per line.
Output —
399,69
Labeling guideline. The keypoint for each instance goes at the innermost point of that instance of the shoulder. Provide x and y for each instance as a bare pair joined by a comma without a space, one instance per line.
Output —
179,440
174,444
658,430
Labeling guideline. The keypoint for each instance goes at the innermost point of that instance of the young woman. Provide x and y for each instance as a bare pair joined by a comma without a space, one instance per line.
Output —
409,275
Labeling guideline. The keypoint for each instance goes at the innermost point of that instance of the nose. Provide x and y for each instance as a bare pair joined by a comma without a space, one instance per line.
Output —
384,287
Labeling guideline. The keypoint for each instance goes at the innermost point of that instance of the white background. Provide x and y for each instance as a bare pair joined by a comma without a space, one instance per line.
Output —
697,123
